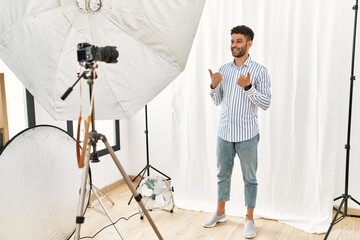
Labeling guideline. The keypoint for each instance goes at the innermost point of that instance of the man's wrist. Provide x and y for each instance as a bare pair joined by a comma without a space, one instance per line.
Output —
247,87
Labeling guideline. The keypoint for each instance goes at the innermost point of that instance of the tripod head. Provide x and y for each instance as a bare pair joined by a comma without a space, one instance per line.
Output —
89,73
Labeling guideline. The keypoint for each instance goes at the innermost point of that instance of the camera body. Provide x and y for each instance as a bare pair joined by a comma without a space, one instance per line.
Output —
90,53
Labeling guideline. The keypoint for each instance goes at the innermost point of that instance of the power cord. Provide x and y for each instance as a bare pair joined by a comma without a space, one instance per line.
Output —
126,219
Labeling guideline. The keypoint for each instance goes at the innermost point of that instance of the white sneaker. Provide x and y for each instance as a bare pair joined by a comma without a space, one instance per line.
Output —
249,229
213,219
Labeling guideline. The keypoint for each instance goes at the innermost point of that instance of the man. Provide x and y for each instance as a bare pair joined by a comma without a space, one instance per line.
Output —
241,87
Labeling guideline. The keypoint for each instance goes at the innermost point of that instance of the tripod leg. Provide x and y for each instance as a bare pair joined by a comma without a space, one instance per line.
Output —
137,186
354,200
167,177
357,202
335,220
130,185
141,173
80,214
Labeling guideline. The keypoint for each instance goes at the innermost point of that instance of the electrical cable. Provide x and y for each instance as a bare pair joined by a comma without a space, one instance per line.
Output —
126,219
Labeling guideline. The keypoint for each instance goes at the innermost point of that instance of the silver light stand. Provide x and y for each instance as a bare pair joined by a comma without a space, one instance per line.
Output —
92,140
100,195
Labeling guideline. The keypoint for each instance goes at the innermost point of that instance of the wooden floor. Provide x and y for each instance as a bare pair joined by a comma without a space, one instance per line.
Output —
186,225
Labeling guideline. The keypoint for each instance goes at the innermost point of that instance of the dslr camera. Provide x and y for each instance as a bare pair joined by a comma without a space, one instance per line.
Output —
90,53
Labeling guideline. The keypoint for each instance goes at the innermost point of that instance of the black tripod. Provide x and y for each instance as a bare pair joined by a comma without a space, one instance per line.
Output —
148,166
345,197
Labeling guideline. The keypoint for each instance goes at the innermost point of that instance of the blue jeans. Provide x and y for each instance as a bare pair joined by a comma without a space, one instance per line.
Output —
247,152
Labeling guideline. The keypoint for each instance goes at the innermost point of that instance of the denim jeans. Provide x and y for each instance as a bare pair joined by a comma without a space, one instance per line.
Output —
247,152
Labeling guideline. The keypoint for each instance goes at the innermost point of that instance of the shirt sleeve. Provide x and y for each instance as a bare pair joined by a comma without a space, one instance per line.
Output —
260,93
216,94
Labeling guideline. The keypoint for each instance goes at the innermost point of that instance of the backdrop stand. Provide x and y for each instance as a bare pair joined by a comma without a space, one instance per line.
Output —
147,168
345,197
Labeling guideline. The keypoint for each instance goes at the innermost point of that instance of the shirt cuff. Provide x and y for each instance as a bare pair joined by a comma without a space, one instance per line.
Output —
251,91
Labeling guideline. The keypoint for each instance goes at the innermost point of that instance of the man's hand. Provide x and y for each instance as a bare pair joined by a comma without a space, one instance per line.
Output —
244,81
215,79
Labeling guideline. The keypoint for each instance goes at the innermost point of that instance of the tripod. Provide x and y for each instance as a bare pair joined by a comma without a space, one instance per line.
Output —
345,197
94,136
92,139
147,168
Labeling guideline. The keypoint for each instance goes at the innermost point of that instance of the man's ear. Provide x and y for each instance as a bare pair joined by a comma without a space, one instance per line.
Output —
249,43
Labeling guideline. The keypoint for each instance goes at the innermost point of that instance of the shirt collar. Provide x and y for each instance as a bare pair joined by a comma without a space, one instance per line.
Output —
246,63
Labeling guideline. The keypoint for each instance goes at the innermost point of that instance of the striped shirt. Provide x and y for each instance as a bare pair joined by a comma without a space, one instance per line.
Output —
238,117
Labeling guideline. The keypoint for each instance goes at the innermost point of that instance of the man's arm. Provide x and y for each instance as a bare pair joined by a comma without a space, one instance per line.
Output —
215,87
259,93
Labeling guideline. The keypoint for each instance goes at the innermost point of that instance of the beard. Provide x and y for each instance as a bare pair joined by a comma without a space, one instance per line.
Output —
239,53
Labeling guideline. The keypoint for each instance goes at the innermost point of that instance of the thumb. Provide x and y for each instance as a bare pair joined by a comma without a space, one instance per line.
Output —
211,73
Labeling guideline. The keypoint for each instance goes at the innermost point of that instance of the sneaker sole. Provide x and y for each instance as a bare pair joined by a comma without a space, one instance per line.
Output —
213,225
249,237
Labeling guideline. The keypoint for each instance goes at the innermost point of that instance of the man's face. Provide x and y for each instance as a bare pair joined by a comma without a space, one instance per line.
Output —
239,45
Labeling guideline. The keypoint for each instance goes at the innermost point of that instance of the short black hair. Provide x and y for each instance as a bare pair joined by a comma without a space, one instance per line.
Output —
244,30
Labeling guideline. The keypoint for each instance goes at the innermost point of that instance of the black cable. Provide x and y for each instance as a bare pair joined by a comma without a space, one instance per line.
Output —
126,219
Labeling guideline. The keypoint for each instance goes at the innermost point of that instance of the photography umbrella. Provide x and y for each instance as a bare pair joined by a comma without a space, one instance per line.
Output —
38,41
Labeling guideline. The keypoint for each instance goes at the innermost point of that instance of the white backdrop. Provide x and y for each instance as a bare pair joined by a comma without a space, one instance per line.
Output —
306,46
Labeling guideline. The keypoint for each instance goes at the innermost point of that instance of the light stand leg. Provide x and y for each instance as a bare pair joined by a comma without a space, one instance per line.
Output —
99,198
80,214
130,185
142,173
107,213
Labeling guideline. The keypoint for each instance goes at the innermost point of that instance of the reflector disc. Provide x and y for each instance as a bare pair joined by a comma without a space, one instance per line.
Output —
39,185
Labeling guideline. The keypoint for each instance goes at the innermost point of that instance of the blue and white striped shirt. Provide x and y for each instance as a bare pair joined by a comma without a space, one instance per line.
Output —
238,117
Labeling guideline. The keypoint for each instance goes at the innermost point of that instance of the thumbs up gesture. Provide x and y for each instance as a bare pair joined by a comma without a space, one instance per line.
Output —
215,79
244,81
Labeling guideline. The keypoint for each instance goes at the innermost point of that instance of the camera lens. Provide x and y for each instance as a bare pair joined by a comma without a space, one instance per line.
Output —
108,54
